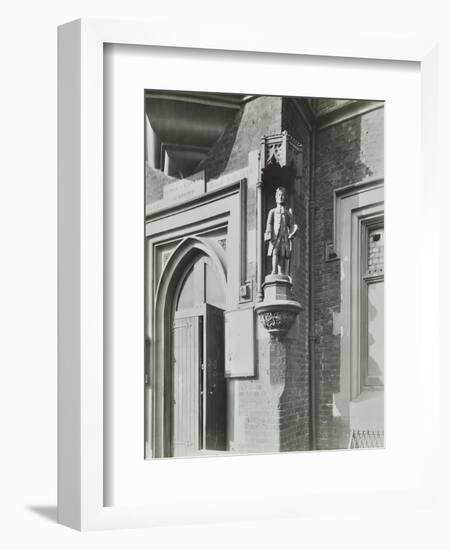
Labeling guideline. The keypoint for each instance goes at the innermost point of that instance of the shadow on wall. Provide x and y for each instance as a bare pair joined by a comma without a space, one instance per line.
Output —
217,160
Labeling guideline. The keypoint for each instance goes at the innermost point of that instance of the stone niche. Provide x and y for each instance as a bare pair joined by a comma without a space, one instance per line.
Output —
282,165
277,310
282,159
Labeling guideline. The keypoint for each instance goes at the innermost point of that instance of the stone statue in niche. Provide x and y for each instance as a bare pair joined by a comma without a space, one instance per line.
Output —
280,231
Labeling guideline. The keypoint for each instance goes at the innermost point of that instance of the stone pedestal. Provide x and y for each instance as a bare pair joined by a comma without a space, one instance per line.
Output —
278,368
277,312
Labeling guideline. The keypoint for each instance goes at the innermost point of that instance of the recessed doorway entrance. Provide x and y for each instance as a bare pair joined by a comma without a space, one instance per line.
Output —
197,382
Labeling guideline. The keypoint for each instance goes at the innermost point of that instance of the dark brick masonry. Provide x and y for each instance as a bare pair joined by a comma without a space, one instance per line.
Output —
346,153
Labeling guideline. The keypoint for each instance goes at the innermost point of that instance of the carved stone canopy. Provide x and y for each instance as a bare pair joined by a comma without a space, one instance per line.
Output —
282,160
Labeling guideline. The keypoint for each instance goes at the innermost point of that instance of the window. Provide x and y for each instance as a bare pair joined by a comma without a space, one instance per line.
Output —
372,304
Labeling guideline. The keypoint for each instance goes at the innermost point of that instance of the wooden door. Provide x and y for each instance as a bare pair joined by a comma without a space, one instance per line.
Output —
215,394
185,386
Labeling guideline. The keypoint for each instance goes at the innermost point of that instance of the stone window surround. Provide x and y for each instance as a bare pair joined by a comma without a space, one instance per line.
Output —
352,205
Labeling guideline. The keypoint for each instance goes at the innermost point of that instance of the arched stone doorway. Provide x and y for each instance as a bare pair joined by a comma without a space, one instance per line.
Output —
190,388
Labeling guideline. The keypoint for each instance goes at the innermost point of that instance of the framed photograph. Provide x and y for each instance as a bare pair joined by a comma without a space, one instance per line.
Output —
242,287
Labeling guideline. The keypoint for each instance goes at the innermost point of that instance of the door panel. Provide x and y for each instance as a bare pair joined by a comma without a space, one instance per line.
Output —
215,385
185,386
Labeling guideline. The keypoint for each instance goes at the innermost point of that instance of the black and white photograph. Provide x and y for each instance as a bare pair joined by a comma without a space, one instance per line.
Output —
224,299
264,274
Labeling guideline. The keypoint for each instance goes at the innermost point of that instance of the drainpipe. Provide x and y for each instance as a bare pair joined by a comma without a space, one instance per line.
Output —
312,337
259,225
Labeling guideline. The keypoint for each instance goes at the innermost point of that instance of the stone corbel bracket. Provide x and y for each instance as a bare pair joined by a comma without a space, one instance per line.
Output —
278,317
278,311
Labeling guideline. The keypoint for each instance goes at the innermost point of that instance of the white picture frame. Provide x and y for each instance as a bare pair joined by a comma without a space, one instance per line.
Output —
81,479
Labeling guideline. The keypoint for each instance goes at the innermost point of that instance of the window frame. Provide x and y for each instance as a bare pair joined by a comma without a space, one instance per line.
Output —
367,224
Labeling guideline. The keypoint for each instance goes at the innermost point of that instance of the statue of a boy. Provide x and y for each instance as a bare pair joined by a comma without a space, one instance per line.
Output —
280,231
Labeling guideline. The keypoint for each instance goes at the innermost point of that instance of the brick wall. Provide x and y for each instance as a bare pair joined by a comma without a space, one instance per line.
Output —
258,413
258,117
155,180
346,153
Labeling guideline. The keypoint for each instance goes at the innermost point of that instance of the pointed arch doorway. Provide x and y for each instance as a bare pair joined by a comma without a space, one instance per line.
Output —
190,392
198,390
